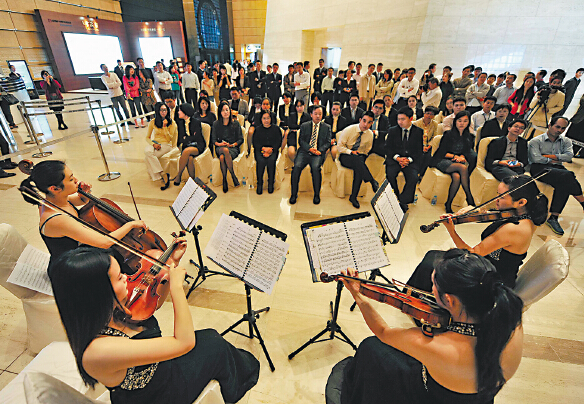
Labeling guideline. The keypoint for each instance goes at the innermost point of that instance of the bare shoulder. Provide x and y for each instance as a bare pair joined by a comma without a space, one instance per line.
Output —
512,353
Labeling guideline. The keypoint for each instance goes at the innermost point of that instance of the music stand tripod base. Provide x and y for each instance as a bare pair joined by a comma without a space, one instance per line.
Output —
109,176
42,154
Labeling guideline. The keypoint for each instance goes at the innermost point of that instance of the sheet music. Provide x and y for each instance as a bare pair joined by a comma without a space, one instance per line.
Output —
389,211
189,203
30,271
266,262
366,244
331,247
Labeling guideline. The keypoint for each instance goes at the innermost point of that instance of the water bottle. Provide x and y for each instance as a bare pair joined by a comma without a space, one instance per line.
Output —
243,182
416,199
211,178
434,200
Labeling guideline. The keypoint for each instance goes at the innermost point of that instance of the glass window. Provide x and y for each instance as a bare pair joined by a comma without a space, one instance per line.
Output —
209,23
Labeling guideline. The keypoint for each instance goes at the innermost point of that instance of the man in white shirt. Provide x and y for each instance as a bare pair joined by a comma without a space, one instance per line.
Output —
191,84
504,92
367,87
458,104
476,93
433,96
301,84
479,118
114,89
408,86
357,76
164,80
327,87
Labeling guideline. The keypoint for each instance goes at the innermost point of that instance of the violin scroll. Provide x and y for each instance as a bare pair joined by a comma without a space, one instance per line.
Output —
25,166
326,278
428,228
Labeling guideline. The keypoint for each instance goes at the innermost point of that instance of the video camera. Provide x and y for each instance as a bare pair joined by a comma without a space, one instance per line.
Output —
545,91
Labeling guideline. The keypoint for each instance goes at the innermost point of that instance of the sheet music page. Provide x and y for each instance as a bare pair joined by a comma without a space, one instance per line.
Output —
331,252
266,263
385,211
366,244
30,271
183,196
194,208
232,244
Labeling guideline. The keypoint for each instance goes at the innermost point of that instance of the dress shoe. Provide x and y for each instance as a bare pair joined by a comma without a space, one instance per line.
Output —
354,202
404,206
448,207
225,186
235,181
8,165
293,199
4,174
316,199
270,188
375,185
13,126
260,189
166,183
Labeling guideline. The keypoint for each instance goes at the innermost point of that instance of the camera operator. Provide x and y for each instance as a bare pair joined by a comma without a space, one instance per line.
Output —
551,100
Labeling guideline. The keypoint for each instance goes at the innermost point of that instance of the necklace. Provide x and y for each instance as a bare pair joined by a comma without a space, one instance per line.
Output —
463,328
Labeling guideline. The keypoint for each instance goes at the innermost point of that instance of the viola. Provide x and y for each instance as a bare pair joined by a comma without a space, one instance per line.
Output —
474,218
142,286
423,308
105,215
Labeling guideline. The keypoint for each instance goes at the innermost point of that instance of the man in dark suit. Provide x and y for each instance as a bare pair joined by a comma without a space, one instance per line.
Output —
337,124
274,86
496,127
236,103
353,113
404,150
119,70
318,75
257,82
379,127
507,155
314,139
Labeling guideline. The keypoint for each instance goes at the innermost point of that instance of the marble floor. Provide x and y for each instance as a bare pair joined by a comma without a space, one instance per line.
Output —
553,364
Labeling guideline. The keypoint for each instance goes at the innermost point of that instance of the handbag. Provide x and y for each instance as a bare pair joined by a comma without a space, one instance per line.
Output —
10,99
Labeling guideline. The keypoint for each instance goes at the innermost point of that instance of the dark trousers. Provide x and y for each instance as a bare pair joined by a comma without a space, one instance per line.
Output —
392,169
266,162
191,96
304,158
401,103
135,105
6,111
356,162
118,102
327,100
563,181
425,163
502,172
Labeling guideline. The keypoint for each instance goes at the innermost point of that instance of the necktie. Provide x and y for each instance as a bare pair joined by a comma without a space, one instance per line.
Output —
357,142
335,119
314,136
353,111
374,126
299,118
405,139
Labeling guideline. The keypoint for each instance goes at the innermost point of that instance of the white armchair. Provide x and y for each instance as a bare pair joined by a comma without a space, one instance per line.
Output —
204,161
483,184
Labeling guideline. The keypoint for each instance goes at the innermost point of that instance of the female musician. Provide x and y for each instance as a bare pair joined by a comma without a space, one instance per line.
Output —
60,232
504,242
193,144
455,156
134,361
162,138
227,138
467,363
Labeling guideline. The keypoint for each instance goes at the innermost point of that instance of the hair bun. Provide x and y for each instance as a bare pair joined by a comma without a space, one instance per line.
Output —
26,166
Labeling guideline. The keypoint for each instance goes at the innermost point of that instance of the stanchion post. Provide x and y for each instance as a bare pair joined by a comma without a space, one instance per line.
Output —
108,176
30,128
107,131
120,132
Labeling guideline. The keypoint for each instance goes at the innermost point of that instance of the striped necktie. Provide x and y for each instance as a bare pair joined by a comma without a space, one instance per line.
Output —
314,136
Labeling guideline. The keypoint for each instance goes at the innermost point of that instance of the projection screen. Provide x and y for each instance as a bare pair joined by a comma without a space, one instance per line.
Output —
154,49
88,52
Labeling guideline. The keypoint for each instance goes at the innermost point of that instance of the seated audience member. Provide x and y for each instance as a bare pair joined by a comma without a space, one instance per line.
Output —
237,104
192,142
433,95
353,113
337,122
476,93
355,142
413,105
255,119
521,98
404,151
204,113
458,104
430,128
328,90
455,156
285,109
267,141
407,87
503,93
555,103
390,112
462,83
507,155
384,85
379,128
162,138
316,98
314,139
296,119
576,131
549,151
227,138
479,118
496,127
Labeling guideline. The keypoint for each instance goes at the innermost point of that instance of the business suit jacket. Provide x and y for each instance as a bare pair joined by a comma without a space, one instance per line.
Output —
119,71
257,78
282,114
293,120
496,151
381,134
323,143
341,124
242,108
318,75
394,145
491,128
346,112
274,85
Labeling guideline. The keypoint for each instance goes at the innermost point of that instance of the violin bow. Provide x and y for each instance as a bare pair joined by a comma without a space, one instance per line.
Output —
133,200
35,196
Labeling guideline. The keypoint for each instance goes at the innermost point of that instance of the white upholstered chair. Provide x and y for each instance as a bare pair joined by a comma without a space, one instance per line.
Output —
483,184
204,161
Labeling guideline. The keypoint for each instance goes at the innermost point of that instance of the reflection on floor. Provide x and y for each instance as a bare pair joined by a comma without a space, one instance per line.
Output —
553,366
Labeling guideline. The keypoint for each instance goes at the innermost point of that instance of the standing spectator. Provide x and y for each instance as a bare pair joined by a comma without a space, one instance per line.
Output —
257,81
146,71
224,83
328,90
242,82
176,84
491,82
379,72
200,70
302,84
476,93
5,105
338,87
504,92
274,85
55,98
462,83
267,141
13,74
191,85
119,70
367,88
289,82
146,93
521,98
407,87
446,86
384,85
116,94
132,89
357,76
570,86
208,85
555,102
576,130
433,95
318,75
539,79
164,80
349,88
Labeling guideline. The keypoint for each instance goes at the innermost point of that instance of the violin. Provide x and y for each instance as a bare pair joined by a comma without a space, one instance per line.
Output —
423,309
474,218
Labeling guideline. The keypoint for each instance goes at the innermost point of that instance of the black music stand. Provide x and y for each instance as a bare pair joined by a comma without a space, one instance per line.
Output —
331,326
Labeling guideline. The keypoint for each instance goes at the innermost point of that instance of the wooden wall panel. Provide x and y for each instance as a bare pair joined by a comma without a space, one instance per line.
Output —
29,39
10,54
5,21
36,55
24,22
24,6
8,39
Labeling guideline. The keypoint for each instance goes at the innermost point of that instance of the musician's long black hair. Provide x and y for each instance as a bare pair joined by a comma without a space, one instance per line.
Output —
537,203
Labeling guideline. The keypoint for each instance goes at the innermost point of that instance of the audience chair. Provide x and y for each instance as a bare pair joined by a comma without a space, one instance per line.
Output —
204,161
342,181
436,183
478,139
542,273
280,173
483,184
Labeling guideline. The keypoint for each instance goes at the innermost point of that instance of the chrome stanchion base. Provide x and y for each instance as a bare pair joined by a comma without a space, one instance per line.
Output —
109,176
42,154
120,141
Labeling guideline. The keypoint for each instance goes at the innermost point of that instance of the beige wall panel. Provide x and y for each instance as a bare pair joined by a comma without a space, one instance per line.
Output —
24,6
10,54
24,22
30,39
36,70
3,5
36,56
105,5
48,5
64,8
8,39
5,20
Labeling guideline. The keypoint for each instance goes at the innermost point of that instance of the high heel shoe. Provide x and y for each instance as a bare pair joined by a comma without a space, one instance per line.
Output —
166,183
470,201
225,186
448,207
235,181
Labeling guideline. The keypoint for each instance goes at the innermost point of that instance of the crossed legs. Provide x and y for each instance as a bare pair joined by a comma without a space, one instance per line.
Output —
460,176
187,160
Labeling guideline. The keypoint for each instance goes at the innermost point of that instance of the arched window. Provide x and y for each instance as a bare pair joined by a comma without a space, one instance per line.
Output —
209,26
